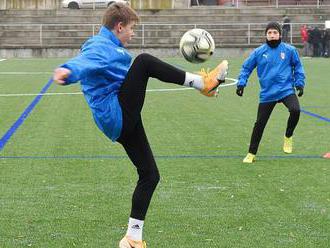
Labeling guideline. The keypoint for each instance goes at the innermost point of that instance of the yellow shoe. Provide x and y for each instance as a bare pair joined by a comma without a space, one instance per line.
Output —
213,78
129,243
288,144
250,158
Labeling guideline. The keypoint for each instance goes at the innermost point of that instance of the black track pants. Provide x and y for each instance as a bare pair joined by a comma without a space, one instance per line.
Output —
264,112
133,137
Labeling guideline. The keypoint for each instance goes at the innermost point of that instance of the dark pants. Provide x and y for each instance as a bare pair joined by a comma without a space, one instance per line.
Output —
133,137
264,112
316,49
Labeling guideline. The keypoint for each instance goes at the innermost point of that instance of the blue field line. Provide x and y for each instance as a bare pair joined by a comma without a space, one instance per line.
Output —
180,156
322,118
23,116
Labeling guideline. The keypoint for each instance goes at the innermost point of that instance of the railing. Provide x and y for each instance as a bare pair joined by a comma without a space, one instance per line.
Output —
264,3
147,35
94,4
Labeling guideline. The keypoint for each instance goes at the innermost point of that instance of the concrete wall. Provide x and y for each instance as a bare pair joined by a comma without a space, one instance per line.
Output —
151,4
181,4
220,53
29,4
54,4
160,4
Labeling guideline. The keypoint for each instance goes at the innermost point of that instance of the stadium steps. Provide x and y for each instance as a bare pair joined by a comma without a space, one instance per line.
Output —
187,18
228,26
168,16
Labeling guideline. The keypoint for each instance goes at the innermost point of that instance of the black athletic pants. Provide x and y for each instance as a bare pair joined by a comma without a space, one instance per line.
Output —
264,112
133,137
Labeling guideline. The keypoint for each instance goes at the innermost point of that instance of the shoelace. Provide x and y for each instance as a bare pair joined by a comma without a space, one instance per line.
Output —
204,72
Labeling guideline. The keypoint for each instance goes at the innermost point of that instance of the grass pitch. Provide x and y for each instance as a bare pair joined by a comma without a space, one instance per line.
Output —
64,184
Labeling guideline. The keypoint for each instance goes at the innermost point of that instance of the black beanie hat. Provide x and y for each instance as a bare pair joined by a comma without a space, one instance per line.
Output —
274,25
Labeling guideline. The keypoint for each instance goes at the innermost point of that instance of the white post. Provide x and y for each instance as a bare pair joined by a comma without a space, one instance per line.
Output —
142,34
277,4
318,3
40,41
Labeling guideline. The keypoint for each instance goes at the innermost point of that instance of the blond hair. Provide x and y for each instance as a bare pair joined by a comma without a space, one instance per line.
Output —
118,12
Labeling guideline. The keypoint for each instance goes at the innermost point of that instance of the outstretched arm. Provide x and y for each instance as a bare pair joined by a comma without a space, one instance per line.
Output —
89,61
60,75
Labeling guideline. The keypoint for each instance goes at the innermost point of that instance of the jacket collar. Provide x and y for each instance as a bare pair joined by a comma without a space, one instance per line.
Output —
105,32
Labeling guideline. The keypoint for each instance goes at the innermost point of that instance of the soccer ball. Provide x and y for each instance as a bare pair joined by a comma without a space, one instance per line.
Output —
197,45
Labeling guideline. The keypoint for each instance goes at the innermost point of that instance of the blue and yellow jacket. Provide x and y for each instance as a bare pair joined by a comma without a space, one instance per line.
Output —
279,70
101,68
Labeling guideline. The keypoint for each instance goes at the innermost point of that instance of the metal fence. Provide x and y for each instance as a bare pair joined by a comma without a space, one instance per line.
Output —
146,35
261,3
139,4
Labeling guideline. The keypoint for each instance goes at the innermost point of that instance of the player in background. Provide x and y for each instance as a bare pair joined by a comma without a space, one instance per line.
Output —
279,71
115,91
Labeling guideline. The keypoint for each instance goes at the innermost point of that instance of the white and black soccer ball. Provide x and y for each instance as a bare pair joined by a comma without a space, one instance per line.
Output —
197,45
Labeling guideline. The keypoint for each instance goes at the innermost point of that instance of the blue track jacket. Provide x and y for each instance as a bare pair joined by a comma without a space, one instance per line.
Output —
101,68
279,71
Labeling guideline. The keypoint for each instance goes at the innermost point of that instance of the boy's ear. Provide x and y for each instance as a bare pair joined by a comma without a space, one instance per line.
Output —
119,27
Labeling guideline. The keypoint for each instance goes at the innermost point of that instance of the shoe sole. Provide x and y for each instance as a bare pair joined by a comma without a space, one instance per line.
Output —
124,243
223,71
248,162
221,76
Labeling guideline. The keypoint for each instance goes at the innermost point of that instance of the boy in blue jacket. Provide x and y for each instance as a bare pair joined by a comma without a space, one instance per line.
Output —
279,71
115,90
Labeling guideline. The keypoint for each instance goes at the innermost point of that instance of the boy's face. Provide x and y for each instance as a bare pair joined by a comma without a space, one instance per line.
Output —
272,34
125,33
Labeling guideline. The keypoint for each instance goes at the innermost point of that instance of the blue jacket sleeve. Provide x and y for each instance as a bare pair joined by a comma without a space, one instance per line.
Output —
248,66
298,70
90,60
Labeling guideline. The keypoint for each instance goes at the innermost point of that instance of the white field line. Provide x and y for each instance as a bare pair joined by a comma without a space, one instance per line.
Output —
24,73
80,93
2,60
45,94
